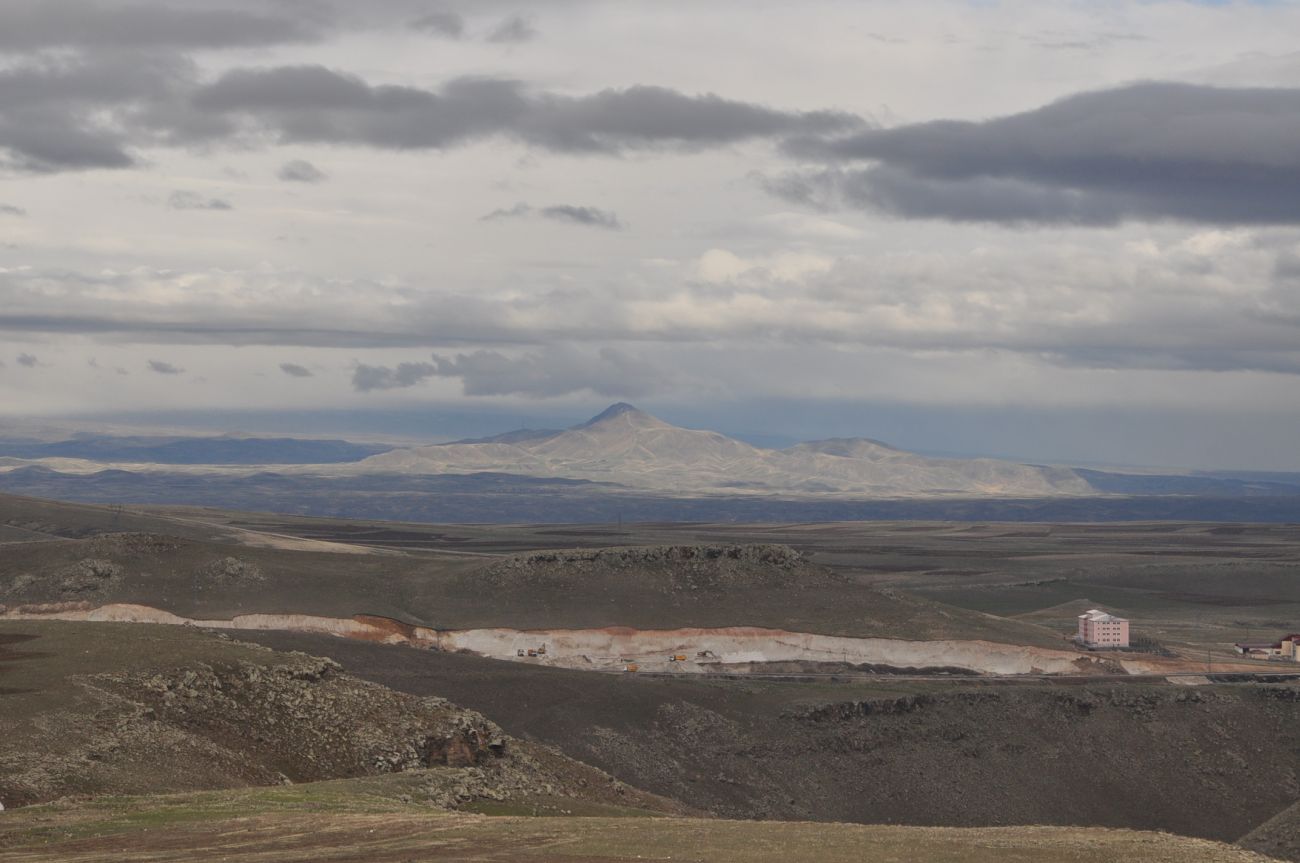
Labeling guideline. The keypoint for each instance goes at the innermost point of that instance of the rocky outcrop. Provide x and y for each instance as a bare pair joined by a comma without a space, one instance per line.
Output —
293,718
310,720
672,569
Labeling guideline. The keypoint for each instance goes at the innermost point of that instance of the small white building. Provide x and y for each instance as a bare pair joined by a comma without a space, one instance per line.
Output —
1098,628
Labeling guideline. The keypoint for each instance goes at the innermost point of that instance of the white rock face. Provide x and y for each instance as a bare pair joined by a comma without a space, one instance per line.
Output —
630,447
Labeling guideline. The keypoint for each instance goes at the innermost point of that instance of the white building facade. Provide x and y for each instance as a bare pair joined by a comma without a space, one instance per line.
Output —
1097,628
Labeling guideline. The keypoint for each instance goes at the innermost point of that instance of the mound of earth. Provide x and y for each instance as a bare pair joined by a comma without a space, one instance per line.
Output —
667,569
233,715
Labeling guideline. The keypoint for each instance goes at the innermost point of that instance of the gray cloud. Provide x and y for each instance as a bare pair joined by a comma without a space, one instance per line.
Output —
186,200
294,370
56,115
366,378
440,23
301,171
1147,151
28,361
582,216
586,216
33,25
10,210
553,371
319,105
164,368
516,28
94,111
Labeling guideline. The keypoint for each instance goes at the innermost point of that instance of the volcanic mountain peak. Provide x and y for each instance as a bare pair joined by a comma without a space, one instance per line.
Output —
624,413
630,447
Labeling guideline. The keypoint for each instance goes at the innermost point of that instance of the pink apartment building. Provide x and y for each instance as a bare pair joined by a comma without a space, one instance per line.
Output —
1099,629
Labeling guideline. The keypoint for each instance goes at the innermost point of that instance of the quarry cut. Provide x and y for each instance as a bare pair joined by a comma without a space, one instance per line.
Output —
624,649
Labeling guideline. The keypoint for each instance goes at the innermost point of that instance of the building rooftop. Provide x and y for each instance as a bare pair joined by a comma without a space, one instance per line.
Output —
1100,616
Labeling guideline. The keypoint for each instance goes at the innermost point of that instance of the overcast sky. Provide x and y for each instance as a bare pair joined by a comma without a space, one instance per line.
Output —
1055,230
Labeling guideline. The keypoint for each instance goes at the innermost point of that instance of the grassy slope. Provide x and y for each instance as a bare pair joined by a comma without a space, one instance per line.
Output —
30,519
1210,584
183,576
347,822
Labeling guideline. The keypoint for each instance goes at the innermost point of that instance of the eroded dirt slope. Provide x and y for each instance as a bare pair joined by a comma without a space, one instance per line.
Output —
904,753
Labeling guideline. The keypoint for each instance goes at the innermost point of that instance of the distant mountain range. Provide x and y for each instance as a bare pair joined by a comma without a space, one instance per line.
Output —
630,447
621,464
223,450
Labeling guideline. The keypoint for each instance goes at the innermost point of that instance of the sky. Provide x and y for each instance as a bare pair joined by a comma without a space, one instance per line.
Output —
1060,231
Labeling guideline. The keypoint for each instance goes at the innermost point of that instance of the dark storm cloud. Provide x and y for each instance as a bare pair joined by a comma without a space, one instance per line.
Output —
32,25
366,378
586,216
300,171
516,28
186,200
294,370
440,23
1147,151
164,368
28,361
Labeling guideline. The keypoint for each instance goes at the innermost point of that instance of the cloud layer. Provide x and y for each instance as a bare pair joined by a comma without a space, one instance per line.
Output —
1148,151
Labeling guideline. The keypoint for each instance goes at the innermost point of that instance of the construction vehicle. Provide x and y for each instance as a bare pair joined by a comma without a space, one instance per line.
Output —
678,657
631,666
541,651
520,652
532,652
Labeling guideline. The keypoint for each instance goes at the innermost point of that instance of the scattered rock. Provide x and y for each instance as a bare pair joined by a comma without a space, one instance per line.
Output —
89,576
680,569
231,572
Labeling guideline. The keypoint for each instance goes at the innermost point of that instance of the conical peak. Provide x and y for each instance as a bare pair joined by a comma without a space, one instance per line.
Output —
621,410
